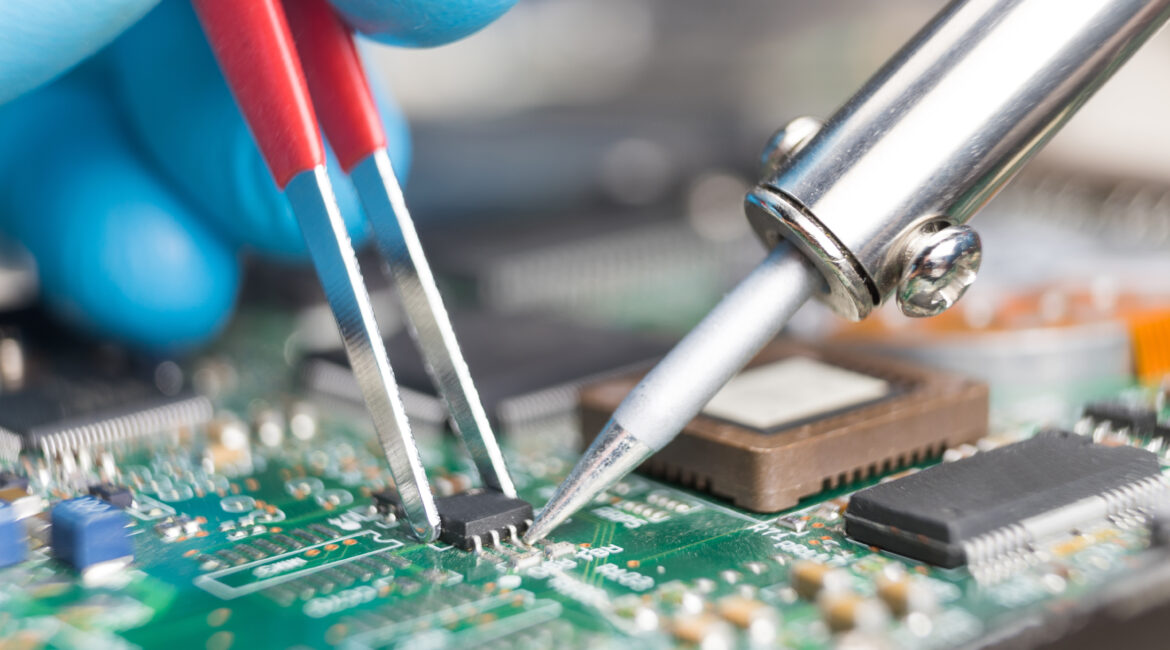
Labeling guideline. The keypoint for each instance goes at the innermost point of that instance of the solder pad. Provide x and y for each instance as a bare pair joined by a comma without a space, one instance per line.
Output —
918,414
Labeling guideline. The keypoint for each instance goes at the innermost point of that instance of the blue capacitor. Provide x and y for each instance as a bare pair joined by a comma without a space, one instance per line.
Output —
13,541
87,531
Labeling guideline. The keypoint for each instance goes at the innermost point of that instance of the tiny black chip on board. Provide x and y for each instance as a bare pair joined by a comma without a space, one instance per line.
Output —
1139,420
9,480
386,501
118,496
480,518
1011,496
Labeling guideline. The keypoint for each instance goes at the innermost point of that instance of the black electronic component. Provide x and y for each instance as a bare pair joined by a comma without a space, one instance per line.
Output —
74,392
477,518
11,480
526,367
231,557
1140,420
322,529
357,571
1159,525
64,415
951,514
254,553
374,567
118,496
305,536
386,501
269,547
592,266
290,543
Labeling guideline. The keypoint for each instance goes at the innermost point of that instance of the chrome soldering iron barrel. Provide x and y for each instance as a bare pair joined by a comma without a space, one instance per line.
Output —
938,131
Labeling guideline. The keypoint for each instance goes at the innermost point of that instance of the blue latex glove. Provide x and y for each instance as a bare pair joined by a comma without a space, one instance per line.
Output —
133,179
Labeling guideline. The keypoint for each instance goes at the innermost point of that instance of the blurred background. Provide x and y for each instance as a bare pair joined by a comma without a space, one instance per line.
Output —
589,158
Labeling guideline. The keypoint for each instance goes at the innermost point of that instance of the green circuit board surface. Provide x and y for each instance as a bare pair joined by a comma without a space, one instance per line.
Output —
646,565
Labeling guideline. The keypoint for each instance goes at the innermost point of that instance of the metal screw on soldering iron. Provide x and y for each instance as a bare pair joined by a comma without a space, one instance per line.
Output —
787,141
943,261
939,271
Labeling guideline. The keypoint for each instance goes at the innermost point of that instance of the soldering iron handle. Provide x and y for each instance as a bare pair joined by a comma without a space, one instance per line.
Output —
933,136
337,81
255,50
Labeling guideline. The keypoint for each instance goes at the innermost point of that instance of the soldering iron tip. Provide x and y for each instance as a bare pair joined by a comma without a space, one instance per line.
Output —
613,454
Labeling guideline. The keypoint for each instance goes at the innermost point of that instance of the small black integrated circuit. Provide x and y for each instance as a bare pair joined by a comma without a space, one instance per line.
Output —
11,480
1140,420
386,501
1003,501
479,518
118,496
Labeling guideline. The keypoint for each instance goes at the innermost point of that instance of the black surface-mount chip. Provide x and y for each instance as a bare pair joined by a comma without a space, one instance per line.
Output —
479,518
76,392
64,415
1138,419
10,480
118,496
1005,500
386,502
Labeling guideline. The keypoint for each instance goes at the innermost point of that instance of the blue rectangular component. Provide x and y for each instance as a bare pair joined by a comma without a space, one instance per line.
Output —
13,542
88,530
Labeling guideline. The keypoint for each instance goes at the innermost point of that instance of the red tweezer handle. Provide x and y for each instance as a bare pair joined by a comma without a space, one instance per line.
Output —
252,43
337,80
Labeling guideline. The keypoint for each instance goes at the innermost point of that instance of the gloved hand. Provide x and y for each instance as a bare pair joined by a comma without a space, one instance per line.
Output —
133,179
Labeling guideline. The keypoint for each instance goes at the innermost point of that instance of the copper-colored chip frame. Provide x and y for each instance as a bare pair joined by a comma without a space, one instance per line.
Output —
769,472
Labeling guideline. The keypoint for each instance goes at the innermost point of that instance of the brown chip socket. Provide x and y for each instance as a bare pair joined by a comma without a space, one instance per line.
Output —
929,411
